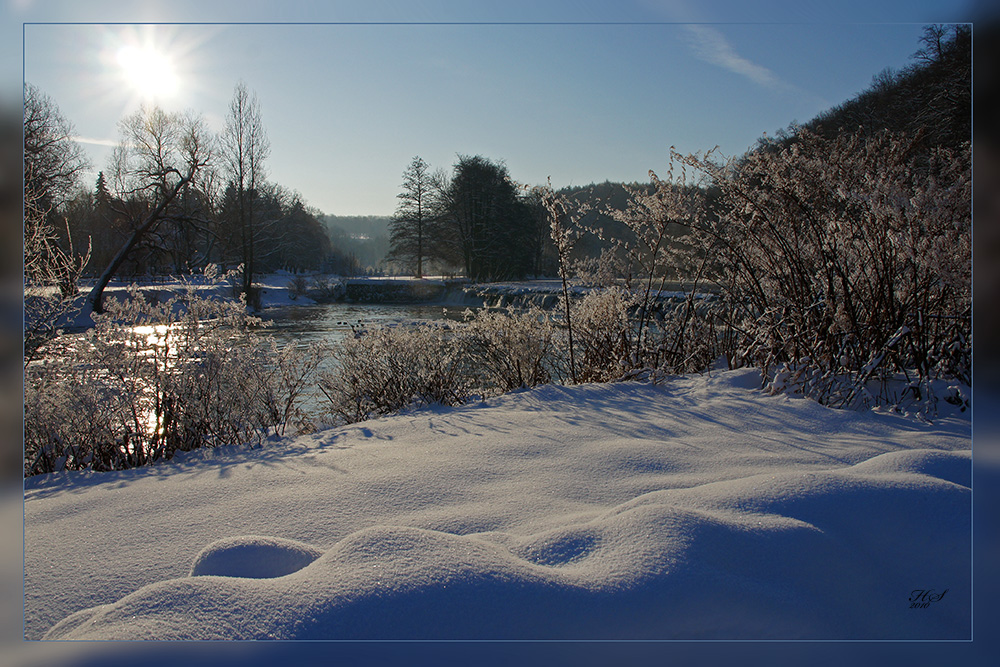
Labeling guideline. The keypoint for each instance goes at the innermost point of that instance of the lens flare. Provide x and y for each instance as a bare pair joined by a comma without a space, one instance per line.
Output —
149,71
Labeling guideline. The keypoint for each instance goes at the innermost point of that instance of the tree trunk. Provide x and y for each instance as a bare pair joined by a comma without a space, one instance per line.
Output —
94,302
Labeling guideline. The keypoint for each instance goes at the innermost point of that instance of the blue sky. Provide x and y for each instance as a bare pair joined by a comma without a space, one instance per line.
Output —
555,89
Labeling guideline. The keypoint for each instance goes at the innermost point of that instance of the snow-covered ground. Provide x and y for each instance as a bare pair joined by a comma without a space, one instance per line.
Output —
697,509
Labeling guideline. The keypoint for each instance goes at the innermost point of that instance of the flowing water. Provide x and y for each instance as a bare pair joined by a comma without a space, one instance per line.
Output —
331,322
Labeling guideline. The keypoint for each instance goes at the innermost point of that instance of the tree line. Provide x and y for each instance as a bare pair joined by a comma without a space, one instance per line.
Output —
173,199
476,221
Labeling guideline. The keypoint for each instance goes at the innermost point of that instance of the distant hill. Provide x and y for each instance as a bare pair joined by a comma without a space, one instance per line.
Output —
931,97
362,237
358,226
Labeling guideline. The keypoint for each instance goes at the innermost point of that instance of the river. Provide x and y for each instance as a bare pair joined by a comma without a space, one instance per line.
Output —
331,322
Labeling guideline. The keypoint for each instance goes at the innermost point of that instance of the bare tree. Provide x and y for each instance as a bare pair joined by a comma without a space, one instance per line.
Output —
412,224
244,147
933,39
53,163
158,156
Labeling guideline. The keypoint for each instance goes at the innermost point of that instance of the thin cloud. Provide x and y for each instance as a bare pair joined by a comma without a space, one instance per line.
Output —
95,142
711,46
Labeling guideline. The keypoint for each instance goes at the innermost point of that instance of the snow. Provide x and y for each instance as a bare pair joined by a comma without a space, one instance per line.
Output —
696,509
255,557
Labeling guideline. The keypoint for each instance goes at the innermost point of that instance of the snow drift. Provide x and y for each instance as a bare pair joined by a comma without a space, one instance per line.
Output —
699,509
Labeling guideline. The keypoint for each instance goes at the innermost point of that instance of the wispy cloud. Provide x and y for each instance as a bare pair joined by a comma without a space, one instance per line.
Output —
712,46
95,142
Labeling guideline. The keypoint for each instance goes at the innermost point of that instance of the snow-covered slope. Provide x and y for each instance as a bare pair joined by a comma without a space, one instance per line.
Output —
696,509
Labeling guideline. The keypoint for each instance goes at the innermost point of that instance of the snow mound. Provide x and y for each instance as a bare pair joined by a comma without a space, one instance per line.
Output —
253,557
693,510
770,556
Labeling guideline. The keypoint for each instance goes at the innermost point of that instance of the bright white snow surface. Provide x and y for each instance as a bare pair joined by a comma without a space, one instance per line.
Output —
696,509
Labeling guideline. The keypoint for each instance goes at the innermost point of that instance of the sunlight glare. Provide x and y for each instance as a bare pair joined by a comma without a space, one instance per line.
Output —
149,71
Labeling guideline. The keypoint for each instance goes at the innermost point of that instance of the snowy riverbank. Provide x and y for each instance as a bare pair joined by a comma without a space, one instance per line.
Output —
699,509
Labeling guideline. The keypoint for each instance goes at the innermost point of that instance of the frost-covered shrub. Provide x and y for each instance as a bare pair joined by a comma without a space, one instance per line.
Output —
605,334
847,259
325,288
298,286
689,337
565,229
382,370
607,270
651,248
613,343
150,379
50,279
510,349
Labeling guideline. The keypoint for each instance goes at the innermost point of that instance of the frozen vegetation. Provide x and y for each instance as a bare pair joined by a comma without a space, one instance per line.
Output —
697,508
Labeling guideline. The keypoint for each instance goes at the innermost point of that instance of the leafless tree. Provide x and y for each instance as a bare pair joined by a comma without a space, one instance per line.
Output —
159,155
53,163
244,147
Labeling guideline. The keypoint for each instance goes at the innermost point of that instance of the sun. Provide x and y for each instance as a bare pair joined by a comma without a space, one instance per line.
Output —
149,71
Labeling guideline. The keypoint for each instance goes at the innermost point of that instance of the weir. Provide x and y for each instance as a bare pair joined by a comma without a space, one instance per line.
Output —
544,294
457,292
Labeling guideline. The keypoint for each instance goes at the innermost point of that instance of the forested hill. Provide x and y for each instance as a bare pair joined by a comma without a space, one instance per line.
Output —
362,241
357,226
931,97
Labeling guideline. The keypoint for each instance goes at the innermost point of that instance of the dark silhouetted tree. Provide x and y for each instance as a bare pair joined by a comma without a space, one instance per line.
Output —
244,147
413,226
486,223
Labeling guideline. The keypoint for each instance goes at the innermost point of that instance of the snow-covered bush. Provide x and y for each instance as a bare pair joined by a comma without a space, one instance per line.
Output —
151,378
565,229
652,249
607,270
325,288
847,260
510,349
627,329
605,333
382,370
50,280
676,338
385,369
297,286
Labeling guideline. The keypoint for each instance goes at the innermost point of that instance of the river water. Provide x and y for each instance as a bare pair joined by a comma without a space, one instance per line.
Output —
331,322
